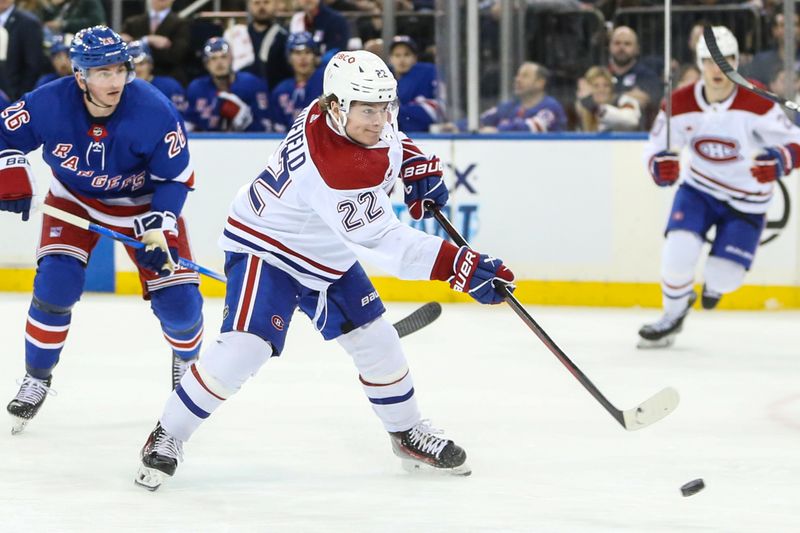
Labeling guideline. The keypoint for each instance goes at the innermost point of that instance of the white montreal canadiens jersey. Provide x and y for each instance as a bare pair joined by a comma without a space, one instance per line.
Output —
322,203
722,139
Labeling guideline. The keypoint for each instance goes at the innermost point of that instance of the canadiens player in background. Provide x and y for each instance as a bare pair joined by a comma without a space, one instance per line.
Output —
724,186
294,237
118,153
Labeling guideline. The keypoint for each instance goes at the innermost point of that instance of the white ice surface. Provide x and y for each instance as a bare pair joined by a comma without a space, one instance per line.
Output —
299,449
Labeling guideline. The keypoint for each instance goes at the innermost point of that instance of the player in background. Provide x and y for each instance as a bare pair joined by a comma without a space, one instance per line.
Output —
59,59
291,95
169,87
417,84
721,126
118,153
294,237
225,100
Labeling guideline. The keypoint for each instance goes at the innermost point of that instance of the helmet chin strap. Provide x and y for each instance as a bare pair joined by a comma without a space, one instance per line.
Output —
88,95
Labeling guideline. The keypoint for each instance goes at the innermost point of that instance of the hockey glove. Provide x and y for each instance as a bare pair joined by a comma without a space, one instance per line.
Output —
16,183
775,162
234,111
423,184
665,167
476,274
159,233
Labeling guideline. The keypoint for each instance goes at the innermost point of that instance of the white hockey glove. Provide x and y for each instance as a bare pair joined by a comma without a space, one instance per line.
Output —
17,185
159,233
234,111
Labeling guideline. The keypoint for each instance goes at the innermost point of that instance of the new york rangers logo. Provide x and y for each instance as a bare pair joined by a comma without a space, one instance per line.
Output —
716,149
277,322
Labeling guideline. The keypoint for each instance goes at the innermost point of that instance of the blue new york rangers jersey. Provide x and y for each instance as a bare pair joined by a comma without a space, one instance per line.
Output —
173,90
3,100
416,91
289,98
46,78
110,166
204,106
547,115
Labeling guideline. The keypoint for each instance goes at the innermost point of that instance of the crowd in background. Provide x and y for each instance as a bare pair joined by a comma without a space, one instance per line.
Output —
588,65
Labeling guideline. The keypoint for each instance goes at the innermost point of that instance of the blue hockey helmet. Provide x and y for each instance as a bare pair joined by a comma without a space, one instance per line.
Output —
215,45
98,46
140,51
301,40
57,45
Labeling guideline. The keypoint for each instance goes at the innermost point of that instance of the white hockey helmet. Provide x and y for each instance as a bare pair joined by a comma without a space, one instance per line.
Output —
358,76
726,41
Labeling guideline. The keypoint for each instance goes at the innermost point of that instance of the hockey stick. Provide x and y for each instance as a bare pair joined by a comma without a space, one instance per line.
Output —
418,319
738,79
128,241
648,412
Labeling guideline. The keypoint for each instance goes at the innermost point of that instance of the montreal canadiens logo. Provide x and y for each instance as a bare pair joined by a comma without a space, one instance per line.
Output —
277,322
716,149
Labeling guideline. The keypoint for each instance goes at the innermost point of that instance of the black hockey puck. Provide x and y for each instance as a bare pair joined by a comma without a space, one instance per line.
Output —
693,487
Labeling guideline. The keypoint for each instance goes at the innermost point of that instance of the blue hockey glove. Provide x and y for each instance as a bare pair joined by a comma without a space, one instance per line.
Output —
159,233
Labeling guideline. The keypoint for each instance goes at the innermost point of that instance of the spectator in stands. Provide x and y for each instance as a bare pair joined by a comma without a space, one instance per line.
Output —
602,109
416,86
533,110
226,100
165,33
766,63
59,59
328,26
291,96
632,78
21,38
687,75
71,16
143,63
260,47
375,46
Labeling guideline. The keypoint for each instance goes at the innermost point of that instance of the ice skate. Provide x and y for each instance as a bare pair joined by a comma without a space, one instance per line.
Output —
661,334
26,403
710,299
179,368
160,457
420,449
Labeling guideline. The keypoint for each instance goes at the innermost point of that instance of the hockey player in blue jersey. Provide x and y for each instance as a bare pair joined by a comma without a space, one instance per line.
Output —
533,110
59,59
3,100
143,63
118,153
225,100
291,96
416,86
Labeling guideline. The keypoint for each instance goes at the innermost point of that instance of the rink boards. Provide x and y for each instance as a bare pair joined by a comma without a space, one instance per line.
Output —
577,218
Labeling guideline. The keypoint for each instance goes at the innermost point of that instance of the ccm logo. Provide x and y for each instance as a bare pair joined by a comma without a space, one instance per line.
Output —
464,268
717,150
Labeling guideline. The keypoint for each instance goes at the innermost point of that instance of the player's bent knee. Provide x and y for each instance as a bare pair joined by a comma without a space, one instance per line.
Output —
178,306
59,282
376,351
233,357
723,275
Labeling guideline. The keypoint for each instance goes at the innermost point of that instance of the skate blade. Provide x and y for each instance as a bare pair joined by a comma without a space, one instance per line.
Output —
416,467
646,344
18,424
150,478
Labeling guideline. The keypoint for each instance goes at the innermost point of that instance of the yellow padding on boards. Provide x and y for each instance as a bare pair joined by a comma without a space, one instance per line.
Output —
578,293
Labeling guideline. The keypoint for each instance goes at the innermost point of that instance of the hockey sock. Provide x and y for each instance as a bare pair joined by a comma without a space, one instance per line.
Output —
679,258
179,309
723,275
384,373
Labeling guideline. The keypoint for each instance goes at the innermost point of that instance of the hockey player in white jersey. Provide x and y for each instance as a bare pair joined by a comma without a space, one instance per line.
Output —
723,185
293,239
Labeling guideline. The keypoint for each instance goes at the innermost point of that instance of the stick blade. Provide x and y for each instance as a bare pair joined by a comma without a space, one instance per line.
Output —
418,319
651,410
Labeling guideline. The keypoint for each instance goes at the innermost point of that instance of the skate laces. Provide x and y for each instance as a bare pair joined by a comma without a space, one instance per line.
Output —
33,390
179,367
424,438
166,444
